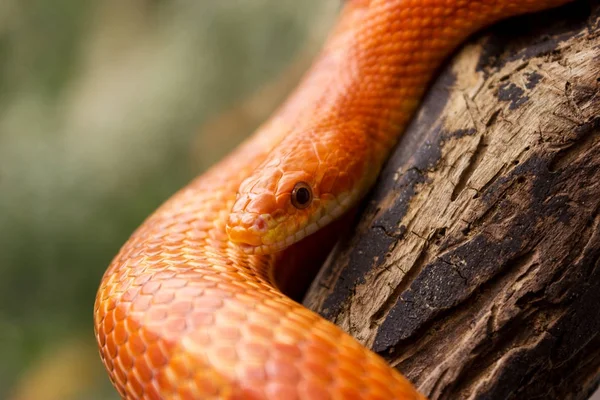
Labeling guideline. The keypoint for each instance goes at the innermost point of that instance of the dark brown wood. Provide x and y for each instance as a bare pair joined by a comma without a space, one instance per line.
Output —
475,264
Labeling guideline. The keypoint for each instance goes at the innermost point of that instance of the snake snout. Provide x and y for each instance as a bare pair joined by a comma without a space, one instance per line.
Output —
247,231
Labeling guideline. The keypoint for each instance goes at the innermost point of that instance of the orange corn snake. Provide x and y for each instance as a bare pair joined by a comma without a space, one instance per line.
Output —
188,308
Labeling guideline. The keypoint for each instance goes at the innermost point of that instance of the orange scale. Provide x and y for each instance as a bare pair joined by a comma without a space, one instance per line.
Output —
101,336
111,346
175,326
227,286
154,315
275,391
174,237
202,225
151,392
178,259
154,239
141,303
227,333
135,265
126,359
181,307
189,292
218,235
301,320
135,345
313,390
256,285
349,357
188,393
322,373
182,225
383,396
234,313
130,294
199,338
217,244
180,368
208,302
148,336
215,292
286,350
120,334
380,391
120,376
156,356
351,369
163,296
134,387
151,251
109,322
109,364
254,329
205,385
251,273
132,325
197,263
349,391
150,287
325,338
103,302
122,275
164,275
379,376
265,319
210,276
266,309
282,371
196,235
141,279
280,303
170,250
164,383
223,354
318,354
223,267
123,285
253,351
200,318
156,261
254,373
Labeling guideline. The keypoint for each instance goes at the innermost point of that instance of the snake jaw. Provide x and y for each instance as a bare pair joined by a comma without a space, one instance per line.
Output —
261,234
243,236
277,246
259,237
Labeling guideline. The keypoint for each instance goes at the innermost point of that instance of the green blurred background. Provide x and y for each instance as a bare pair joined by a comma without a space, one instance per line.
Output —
107,108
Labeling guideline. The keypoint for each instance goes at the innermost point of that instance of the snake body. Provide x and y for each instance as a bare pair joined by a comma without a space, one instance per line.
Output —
189,309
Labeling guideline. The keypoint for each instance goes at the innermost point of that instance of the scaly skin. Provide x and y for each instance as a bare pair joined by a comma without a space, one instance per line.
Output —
188,308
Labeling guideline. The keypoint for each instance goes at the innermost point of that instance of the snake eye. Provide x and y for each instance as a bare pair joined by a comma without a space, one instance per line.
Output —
301,195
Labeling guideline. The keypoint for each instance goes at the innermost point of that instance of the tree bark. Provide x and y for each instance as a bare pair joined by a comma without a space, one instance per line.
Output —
474,266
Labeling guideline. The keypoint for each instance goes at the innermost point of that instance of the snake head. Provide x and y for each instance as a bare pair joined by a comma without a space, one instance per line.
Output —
293,194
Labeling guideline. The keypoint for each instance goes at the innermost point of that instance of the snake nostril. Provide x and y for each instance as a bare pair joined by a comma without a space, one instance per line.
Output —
260,224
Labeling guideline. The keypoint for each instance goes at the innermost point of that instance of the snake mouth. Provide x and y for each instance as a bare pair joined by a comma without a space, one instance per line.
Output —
263,249
257,247
244,236
250,239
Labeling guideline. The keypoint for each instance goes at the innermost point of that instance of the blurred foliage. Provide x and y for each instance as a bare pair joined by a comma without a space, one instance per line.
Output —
107,108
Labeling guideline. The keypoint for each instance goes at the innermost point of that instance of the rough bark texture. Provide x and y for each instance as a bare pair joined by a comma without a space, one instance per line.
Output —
475,265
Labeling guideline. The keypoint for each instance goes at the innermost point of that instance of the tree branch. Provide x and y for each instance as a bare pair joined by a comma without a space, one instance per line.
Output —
475,265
